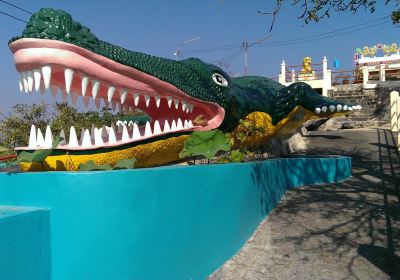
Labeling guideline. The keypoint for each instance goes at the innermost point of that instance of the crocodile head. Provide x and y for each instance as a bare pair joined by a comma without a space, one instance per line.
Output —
55,52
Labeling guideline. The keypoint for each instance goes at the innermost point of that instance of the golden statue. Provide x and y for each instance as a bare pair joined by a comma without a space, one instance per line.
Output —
306,66
307,74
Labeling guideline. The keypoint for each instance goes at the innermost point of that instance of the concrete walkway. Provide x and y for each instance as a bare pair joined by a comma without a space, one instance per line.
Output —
347,230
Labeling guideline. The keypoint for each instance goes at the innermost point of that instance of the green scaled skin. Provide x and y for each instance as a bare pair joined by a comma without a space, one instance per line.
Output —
239,98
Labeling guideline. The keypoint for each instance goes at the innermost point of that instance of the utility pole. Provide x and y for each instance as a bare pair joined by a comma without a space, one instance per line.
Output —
245,47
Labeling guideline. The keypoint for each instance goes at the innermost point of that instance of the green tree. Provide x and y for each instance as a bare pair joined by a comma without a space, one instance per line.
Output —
14,131
315,10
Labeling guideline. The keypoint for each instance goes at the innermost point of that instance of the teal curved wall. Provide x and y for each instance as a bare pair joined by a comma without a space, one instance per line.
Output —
179,222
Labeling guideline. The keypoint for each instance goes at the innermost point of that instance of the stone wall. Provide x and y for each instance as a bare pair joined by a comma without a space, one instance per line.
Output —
375,101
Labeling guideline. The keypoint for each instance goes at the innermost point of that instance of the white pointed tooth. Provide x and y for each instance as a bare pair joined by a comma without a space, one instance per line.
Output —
85,81
69,75
37,76
125,134
40,138
187,110
110,93
74,98
339,107
54,91
21,82
147,130
98,139
25,81
73,139
31,80
324,108
124,94
48,139
166,127
173,125
32,137
95,88
179,124
157,128
157,99
184,106
104,132
97,101
86,141
46,72
111,136
359,107
345,107
191,108
332,108
176,101
63,139
136,98
86,100
169,100
136,132
317,110
147,100
29,75
186,124
190,124
64,95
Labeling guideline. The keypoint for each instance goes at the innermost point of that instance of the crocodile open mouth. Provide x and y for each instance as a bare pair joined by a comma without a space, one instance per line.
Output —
50,64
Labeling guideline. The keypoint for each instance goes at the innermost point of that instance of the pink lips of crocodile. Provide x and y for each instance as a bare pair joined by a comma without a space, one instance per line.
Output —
58,65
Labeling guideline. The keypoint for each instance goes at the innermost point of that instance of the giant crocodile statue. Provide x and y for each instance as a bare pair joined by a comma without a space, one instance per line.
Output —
55,52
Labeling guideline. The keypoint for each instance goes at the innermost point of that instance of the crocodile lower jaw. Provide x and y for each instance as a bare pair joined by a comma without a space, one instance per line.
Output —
49,64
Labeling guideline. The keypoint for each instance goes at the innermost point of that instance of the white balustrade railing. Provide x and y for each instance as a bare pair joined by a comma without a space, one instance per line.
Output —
395,114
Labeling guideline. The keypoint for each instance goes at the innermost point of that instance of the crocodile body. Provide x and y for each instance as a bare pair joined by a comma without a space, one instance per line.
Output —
178,96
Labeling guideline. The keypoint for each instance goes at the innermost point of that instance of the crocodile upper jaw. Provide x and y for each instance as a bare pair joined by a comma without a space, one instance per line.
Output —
52,64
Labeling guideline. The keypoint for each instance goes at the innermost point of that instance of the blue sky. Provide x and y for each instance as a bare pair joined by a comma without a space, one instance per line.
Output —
156,27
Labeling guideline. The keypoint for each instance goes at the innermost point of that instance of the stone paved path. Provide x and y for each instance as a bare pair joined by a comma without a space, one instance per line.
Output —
347,230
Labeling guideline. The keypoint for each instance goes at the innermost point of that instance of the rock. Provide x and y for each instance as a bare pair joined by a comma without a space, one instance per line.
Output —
347,125
312,125
332,124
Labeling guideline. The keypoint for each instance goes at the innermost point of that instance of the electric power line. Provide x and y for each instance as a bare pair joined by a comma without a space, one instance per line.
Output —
221,48
15,6
272,44
228,58
233,46
11,16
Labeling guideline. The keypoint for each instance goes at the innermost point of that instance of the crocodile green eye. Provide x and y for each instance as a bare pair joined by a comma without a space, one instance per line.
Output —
219,80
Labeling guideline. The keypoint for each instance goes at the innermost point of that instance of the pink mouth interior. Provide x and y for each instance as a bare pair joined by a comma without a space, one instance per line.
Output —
161,101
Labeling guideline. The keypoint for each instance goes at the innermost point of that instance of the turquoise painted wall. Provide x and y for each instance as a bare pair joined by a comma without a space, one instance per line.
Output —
179,222
24,243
